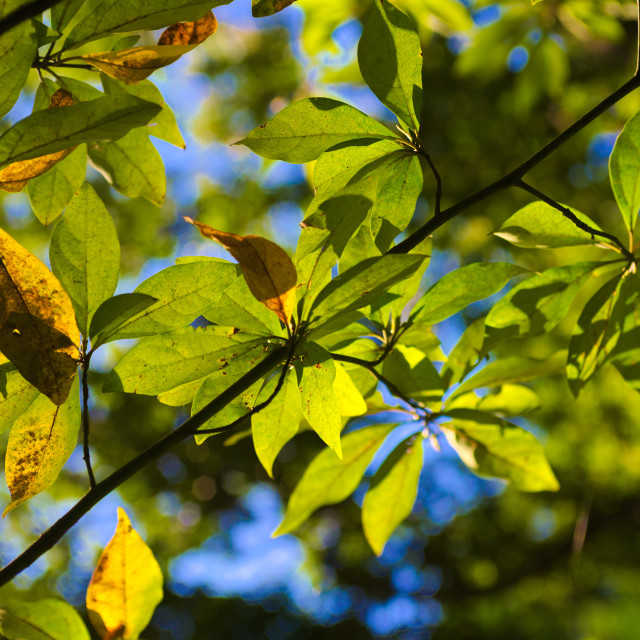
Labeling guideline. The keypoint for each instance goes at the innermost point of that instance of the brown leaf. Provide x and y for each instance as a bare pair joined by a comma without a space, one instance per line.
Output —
14,177
189,32
38,330
268,270
137,63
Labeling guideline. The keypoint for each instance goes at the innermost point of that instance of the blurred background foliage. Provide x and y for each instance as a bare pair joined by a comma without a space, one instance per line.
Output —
475,559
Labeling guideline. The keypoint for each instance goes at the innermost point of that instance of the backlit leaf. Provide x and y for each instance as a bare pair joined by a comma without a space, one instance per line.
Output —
42,620
328,480
350,400
492,447
38,331
624,169
511,400
41,441
459,288
392,494
390,61
126,585
465,355
317,397
85,254
302,131
14,177
49,131
114,312
63,11
262,8
16,395
267,268
277,423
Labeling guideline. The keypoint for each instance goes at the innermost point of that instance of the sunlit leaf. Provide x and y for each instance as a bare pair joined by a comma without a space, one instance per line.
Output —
14,177
63,11
126,585
390,61
262,8
392,494
52,130
492,447
511,400
350,400
38,331
166,361
465,355
317,397
41,441
302,131
41,620
538,225
85,254
114,312
276,424
624,169
328,480
459,288
16,395
267,268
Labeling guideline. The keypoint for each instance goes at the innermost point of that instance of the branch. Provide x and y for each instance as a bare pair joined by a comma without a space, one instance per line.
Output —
52,535
512,179
437,178
86,360
25,12
567,213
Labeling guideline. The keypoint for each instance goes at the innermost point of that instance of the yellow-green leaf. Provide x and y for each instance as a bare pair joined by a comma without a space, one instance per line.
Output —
268,270
126,585
38,330
41,441
42,620
350,400
16,394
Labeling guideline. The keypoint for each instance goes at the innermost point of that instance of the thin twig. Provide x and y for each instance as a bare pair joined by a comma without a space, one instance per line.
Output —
86,360
567,213
68,65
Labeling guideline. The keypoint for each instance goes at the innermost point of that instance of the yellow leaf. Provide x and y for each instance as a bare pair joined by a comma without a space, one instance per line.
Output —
126,585
14,177
268,270
41,441
38,330
137,63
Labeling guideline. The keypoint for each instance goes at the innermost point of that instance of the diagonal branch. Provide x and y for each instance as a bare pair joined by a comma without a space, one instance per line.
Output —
25,12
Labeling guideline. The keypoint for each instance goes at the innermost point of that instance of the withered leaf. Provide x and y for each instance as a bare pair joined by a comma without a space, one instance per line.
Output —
126,585
137,63
38,330
14,177
268,270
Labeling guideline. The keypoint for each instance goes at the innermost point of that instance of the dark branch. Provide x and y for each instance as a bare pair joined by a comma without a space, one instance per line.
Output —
52,535
25,12
86,360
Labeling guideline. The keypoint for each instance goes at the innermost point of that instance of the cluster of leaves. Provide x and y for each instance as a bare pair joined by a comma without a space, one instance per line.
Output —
288,344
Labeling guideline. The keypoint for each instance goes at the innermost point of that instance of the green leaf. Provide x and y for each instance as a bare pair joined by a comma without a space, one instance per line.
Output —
51,130
626,354
42,620
350,400
362,284
16,395
85,254
164,125
41,441
624,170
51,192
328,480
390,61
63,12
465,354
18,48
114,312
302,131
511,400
316,374
132,166
183,293
115,16
461,287
263,8
512,369
596,333
492,447
392,494
166,361
420,336
538,225
538,304
410,371
278,422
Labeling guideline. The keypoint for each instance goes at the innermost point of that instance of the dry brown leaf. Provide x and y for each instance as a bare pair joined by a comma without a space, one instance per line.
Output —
268,270
137,63
126,585
14,177
38,330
